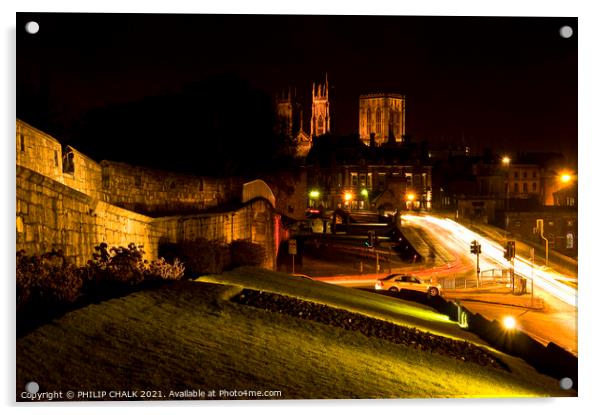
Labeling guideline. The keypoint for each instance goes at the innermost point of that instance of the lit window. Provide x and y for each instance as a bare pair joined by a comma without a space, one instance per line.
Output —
363,179
354,179
569,241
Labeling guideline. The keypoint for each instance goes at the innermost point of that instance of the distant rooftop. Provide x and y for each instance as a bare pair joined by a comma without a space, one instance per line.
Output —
382,95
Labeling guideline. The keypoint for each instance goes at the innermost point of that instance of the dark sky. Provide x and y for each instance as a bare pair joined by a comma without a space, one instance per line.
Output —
506,83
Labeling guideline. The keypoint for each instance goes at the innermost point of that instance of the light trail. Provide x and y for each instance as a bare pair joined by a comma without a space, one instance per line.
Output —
494,252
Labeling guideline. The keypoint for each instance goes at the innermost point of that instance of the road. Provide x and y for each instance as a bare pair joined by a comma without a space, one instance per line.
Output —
555,320
551,317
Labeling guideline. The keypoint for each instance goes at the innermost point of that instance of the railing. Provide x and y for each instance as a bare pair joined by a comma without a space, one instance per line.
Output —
488,278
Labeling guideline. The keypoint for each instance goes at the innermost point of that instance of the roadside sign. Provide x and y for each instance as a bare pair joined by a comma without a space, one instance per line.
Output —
292,246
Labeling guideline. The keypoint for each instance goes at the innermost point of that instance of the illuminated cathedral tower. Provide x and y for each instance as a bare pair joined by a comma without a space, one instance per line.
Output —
320,109
290,120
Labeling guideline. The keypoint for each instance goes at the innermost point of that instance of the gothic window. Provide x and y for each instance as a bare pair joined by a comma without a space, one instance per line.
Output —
320,125
368,121
515,187
525,188
378,127
56,158
534,186
22,139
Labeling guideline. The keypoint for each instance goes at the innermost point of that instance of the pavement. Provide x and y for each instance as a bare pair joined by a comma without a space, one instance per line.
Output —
545,320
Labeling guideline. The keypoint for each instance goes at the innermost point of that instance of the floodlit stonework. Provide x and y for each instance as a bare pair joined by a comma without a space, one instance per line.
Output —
383,115
79,204
320,109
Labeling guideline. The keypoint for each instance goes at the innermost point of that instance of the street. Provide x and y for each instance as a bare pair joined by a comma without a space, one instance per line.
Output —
550,314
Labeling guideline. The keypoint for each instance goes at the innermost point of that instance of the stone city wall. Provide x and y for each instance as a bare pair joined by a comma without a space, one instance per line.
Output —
157,192
39,151
144,190
50,215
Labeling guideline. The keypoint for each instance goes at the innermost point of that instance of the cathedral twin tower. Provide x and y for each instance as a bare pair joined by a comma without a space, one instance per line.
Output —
290,116
381,117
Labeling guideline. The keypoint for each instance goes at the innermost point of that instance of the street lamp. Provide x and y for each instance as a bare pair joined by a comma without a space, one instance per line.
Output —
506,163
410,200
314,194
364,192
348,196
566,178
509,323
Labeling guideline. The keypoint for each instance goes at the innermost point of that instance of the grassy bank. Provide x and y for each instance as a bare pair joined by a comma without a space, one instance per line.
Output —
189,335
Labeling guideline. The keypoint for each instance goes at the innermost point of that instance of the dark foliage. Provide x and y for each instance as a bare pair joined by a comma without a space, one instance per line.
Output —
246,253
218,127
49,281
46,280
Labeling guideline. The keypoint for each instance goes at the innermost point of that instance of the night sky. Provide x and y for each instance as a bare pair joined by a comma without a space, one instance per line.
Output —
505,83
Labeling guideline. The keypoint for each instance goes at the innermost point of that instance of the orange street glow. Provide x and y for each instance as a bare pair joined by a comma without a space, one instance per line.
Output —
348,196
509,323
411,196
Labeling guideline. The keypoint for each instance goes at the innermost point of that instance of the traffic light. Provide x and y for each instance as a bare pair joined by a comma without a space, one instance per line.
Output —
510,251
370,241
475,247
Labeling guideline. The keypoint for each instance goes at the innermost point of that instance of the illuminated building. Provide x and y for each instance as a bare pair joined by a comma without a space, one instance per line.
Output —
320,109
383,115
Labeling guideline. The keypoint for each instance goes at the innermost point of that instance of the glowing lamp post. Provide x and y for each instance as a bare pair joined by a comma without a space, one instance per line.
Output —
506,163
347,197
509,323
410,197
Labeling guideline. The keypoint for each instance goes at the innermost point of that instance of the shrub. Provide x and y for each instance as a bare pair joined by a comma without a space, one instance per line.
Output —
120,266
163,270
247,253
115,266
46,280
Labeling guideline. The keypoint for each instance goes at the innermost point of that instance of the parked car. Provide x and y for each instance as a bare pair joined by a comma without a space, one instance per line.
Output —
398,282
